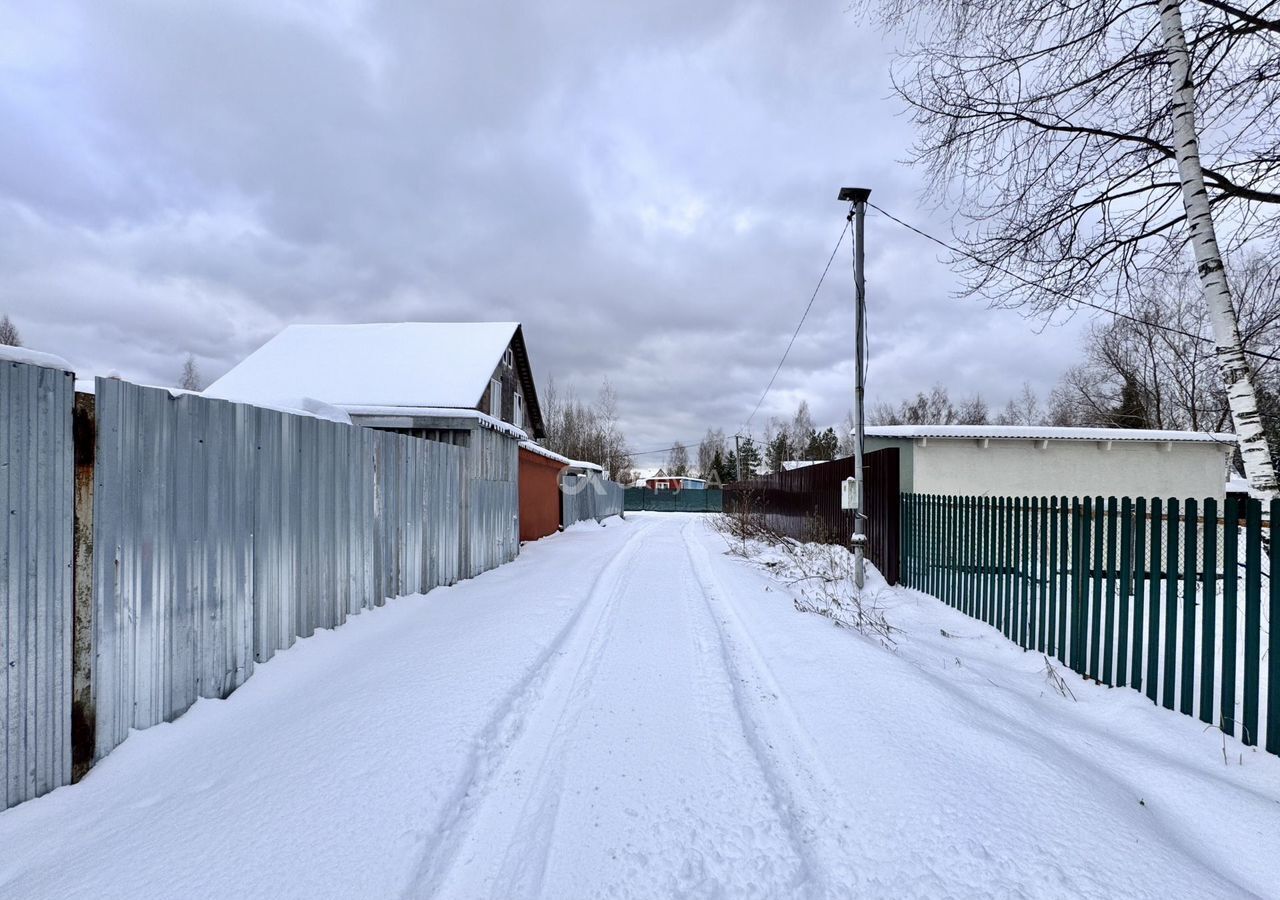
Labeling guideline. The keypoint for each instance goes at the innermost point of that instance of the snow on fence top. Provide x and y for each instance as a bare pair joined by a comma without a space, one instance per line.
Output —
1045,433
446,364
543,451
33,358
302,406
294,406
589,466
451,412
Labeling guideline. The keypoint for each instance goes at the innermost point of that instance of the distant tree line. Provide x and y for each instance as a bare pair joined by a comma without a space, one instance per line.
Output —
937,408
784,440
717,459
1155,369
586,431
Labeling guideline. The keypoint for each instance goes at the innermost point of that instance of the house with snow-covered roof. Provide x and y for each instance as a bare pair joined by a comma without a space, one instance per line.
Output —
675,483
638,476
1042,461
437,380
463,383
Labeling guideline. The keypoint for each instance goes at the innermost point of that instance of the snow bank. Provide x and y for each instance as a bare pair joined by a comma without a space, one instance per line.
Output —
632,712
33,358
985,778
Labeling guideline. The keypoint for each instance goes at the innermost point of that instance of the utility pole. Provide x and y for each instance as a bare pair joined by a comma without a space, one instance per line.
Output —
737,454
857,214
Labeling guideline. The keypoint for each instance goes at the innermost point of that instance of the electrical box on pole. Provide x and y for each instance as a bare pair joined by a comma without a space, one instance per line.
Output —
849,493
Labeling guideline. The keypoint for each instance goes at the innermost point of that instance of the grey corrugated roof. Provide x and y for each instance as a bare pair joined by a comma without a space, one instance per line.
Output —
1044,433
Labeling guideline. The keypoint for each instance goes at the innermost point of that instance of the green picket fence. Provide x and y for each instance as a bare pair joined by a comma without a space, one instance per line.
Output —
687,500
1158,595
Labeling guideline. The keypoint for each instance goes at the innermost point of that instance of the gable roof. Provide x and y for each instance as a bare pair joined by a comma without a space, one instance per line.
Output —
445,364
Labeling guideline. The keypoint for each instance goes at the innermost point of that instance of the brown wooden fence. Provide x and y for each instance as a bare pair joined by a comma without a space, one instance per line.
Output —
805,504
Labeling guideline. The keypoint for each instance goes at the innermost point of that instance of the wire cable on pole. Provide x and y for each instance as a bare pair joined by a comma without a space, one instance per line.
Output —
1055,291
796,333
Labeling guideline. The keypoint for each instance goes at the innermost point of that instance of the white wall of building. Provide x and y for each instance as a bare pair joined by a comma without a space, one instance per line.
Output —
1022,468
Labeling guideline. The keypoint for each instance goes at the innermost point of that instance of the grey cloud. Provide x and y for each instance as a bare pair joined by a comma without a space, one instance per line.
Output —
648,187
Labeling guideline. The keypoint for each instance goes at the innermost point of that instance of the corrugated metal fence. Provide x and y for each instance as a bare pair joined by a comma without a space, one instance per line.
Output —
492,501
222,532
1164,597
35,579
208,536
588,498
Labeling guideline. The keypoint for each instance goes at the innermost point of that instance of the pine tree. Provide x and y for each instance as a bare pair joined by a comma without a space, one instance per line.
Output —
729,468
779,450
9,333
1131,412
749,456
822,445
712,473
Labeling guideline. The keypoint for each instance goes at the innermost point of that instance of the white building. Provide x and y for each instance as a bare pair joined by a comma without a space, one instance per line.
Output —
1015,461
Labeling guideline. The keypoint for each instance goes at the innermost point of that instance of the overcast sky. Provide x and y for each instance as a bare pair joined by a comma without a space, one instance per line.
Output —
649,187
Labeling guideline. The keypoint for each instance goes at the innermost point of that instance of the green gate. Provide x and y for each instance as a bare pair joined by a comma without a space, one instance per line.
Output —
687,500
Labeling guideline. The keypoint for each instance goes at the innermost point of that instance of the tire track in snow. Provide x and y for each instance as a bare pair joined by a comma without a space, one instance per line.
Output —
802,785
505,736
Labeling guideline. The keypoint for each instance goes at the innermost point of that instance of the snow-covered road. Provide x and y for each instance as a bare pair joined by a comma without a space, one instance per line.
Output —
628,711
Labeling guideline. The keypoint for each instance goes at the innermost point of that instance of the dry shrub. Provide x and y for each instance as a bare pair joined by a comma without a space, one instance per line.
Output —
744,524
824,576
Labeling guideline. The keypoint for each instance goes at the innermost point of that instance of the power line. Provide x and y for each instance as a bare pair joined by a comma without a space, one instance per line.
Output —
665,449
693,444
1069,298
796,333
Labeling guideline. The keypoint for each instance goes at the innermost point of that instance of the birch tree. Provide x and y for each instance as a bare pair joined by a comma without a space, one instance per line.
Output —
1084,144
190,380
1232,364
678,460
583,431
9,333
711,452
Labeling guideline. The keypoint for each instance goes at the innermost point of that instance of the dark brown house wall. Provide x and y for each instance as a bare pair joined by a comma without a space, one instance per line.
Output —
539,496
509,377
